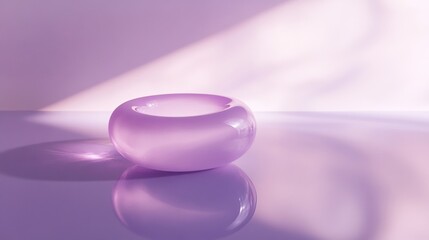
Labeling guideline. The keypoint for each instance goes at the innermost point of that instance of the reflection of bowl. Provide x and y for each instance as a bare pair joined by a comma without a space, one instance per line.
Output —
182,132
198,205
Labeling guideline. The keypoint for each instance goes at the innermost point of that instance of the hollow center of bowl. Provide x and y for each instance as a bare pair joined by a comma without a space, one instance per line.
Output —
182,105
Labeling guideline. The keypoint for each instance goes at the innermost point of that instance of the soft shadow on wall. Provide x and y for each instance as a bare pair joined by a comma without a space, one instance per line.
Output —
308,55
290,50
301,55
53,49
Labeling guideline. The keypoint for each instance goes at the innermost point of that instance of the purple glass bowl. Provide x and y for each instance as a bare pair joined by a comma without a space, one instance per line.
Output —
182,132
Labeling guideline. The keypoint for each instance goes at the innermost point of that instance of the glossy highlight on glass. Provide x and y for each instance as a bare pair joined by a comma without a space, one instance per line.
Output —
182,132
198,205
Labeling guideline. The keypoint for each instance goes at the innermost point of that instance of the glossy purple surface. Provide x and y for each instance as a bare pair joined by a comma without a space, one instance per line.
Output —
182,132
352,176
198,205
73,160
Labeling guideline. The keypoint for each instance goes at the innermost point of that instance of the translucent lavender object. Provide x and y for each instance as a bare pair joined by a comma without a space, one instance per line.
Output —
192,206
182,132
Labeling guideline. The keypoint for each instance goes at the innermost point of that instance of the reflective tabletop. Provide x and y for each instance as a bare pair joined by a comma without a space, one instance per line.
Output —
308,176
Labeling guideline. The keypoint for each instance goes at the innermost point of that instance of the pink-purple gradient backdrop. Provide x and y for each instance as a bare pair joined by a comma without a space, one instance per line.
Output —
274,55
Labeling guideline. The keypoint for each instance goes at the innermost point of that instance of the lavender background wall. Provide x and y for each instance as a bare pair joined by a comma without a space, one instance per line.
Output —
52,49
273,54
